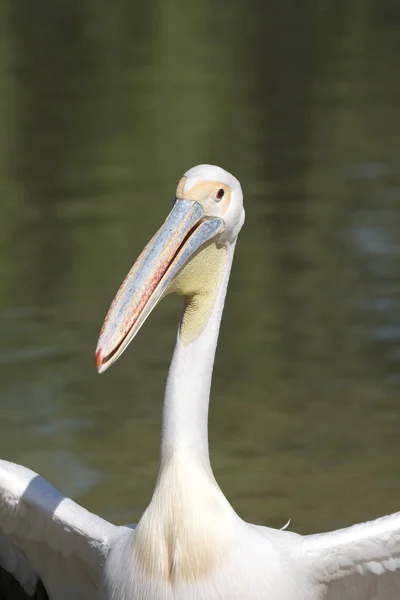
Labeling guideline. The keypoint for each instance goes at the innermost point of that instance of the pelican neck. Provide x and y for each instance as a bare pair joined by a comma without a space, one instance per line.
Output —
187,393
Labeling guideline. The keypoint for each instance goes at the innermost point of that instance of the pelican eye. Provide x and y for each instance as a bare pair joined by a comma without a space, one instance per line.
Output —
220,194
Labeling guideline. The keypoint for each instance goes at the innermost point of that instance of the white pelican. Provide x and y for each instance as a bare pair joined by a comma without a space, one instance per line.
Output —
189,544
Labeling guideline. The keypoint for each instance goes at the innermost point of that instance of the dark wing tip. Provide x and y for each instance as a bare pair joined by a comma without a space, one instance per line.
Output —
10,588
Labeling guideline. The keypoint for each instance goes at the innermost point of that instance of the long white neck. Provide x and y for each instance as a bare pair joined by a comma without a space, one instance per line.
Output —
189,526
187,394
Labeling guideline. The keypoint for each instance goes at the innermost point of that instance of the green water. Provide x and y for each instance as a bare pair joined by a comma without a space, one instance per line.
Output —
103,106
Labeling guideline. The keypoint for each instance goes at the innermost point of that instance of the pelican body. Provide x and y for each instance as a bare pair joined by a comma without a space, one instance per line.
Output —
189,544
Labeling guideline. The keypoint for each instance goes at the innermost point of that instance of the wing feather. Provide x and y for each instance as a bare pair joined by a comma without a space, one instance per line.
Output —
47,537
360,562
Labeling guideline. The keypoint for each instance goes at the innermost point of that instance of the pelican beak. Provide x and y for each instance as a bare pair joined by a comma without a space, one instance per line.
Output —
185,231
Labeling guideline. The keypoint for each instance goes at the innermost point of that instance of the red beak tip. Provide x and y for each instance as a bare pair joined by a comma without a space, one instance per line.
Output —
99,359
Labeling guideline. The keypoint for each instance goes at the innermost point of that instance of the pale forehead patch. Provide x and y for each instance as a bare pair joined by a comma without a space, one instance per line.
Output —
210,173
202,190
180,190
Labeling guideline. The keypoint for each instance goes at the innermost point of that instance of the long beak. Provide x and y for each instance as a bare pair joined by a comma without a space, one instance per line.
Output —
185,230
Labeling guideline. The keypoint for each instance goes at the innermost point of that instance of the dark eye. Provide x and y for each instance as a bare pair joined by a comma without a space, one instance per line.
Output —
220,194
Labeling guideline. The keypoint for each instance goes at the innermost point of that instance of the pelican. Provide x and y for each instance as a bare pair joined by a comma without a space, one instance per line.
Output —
189,544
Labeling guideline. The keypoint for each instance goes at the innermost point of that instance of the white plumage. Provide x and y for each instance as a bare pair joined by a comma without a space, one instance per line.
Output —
47,536
189,544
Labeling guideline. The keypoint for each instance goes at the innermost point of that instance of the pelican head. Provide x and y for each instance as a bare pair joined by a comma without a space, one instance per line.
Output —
207,214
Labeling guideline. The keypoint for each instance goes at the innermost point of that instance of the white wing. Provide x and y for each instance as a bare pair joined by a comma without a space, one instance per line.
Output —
45,537
358,563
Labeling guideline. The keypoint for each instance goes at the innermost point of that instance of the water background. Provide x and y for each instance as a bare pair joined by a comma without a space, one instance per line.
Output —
102,107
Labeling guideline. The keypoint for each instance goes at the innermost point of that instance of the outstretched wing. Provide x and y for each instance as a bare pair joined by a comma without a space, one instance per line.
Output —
361,562
48,543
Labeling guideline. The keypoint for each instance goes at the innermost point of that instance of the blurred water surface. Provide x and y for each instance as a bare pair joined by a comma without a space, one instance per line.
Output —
102,107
